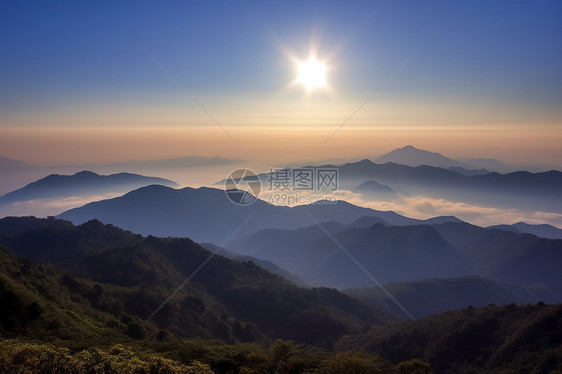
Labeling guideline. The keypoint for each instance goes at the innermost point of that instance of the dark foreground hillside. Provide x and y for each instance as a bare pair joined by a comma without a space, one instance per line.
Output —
195,357
507,339
127,276
83,301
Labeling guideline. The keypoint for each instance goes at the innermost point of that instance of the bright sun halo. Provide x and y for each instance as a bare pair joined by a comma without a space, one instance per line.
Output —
312,73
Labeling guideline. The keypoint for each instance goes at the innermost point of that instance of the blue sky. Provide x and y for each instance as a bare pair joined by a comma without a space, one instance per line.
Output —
503,47
64,60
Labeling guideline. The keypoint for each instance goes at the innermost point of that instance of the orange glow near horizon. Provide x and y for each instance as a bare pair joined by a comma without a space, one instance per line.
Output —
276,144
281,127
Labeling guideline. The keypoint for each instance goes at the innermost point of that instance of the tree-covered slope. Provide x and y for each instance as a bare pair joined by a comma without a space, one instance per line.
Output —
507,339
234,301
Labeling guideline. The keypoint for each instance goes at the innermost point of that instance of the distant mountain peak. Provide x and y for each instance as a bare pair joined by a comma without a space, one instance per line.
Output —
11,164
540,230
365,161
372,183
371,186
412,156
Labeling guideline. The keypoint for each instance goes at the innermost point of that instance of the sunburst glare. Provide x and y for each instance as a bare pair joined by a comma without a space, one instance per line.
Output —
312,73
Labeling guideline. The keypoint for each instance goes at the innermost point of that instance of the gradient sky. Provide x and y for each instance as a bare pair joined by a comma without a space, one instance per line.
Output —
78,80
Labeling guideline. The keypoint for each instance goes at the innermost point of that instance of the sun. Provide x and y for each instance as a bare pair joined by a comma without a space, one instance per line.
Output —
312,73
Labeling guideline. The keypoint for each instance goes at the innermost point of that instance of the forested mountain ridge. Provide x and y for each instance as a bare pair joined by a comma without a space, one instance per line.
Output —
506,339
236,301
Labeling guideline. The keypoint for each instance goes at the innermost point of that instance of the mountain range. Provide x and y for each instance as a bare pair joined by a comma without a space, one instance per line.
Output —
14,173
522,259
93,294
81,184
123,274
541,230
522,190
393,182
389,253
413,252
207,215
412,156
393,248
432,296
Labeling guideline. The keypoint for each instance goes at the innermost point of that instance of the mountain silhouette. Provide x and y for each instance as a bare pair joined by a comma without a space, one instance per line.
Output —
8,164
431,296
440,248
207,215
80,184
522,259
375,191
517,190
542,230
389,253
225,299
523,190
412,156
